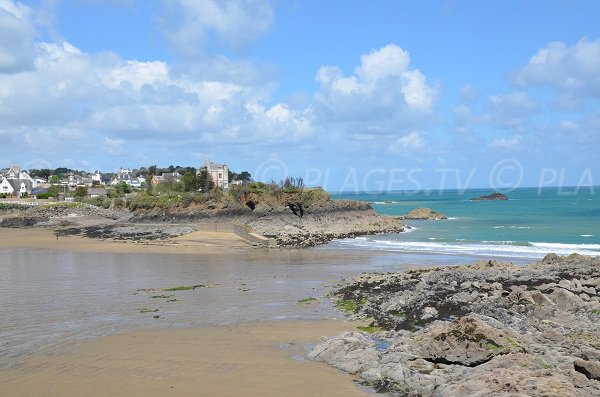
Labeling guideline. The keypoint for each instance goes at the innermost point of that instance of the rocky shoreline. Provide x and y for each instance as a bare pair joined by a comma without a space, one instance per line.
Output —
319,223
490,328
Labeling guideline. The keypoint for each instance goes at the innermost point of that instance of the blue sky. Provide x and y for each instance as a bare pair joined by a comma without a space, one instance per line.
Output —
351,95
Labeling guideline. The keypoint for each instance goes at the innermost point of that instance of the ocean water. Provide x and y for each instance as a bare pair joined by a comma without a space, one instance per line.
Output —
532,223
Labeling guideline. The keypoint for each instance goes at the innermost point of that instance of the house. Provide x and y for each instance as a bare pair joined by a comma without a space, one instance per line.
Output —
15,182
95,192
156,180
6,187
15,187
171,177
123,175
97,177
219,173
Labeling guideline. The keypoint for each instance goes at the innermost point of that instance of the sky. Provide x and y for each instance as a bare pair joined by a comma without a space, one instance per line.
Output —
349,95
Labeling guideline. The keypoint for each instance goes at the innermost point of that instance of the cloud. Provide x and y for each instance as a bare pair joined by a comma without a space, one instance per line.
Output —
114,146
71,98
384,92
189,24
16,37
572,71
509,110
506,143
407,143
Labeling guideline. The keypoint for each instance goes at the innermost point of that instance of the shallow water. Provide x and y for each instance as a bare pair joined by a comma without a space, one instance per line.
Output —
49,298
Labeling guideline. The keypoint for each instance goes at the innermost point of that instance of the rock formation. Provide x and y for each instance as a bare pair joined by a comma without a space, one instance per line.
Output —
423,214
485,329
491,197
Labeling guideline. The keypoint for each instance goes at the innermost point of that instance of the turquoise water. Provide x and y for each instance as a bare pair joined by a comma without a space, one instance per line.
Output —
530,224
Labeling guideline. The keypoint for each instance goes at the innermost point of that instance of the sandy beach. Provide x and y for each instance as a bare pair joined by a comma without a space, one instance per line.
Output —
46,239
73,327
261,359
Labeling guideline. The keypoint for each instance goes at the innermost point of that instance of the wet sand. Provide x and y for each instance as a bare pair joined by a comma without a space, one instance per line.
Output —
195,242
72,325
261,359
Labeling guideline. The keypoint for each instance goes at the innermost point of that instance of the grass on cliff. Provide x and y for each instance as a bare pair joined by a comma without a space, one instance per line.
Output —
236,196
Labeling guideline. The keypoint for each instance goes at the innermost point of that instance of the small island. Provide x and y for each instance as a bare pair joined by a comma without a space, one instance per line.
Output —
496,196
423,214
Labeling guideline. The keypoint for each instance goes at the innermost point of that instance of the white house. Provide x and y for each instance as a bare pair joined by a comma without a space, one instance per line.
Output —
15,187
16,182
97,176
123,175
219,173
6,187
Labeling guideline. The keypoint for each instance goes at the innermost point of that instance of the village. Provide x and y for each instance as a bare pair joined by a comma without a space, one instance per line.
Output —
31,187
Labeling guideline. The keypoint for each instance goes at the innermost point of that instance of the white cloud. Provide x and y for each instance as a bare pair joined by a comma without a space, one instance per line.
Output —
80,97
114,146
573,71
509,110
237,23
506,143
384,92
407,143
16,37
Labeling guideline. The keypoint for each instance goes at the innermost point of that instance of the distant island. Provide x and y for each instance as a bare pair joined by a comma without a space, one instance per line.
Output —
491,197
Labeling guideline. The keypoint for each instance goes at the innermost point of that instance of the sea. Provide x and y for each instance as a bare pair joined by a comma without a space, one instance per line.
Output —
532,223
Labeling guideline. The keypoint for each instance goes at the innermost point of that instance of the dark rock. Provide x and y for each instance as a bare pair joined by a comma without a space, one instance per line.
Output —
589,368
491,197
484,329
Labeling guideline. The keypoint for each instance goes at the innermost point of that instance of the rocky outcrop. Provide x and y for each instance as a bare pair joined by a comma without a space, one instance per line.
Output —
484,329
60,215
423,214
491,197
290,219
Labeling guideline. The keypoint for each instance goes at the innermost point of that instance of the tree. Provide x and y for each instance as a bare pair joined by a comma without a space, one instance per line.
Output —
122,188
152,170
190,182
41,173
54,179
205,182
149,179
244,176
53,191
81,191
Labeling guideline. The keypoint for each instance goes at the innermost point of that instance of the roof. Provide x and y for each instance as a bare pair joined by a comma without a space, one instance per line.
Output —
16,184
211,166
96,191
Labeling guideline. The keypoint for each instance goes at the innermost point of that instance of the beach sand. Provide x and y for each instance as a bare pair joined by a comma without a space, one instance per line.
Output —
245,359
189,243
261,359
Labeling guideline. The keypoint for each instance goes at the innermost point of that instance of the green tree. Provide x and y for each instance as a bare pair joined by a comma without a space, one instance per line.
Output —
54,179
81,191
205,182
190,182
53,191
122,188
244,176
